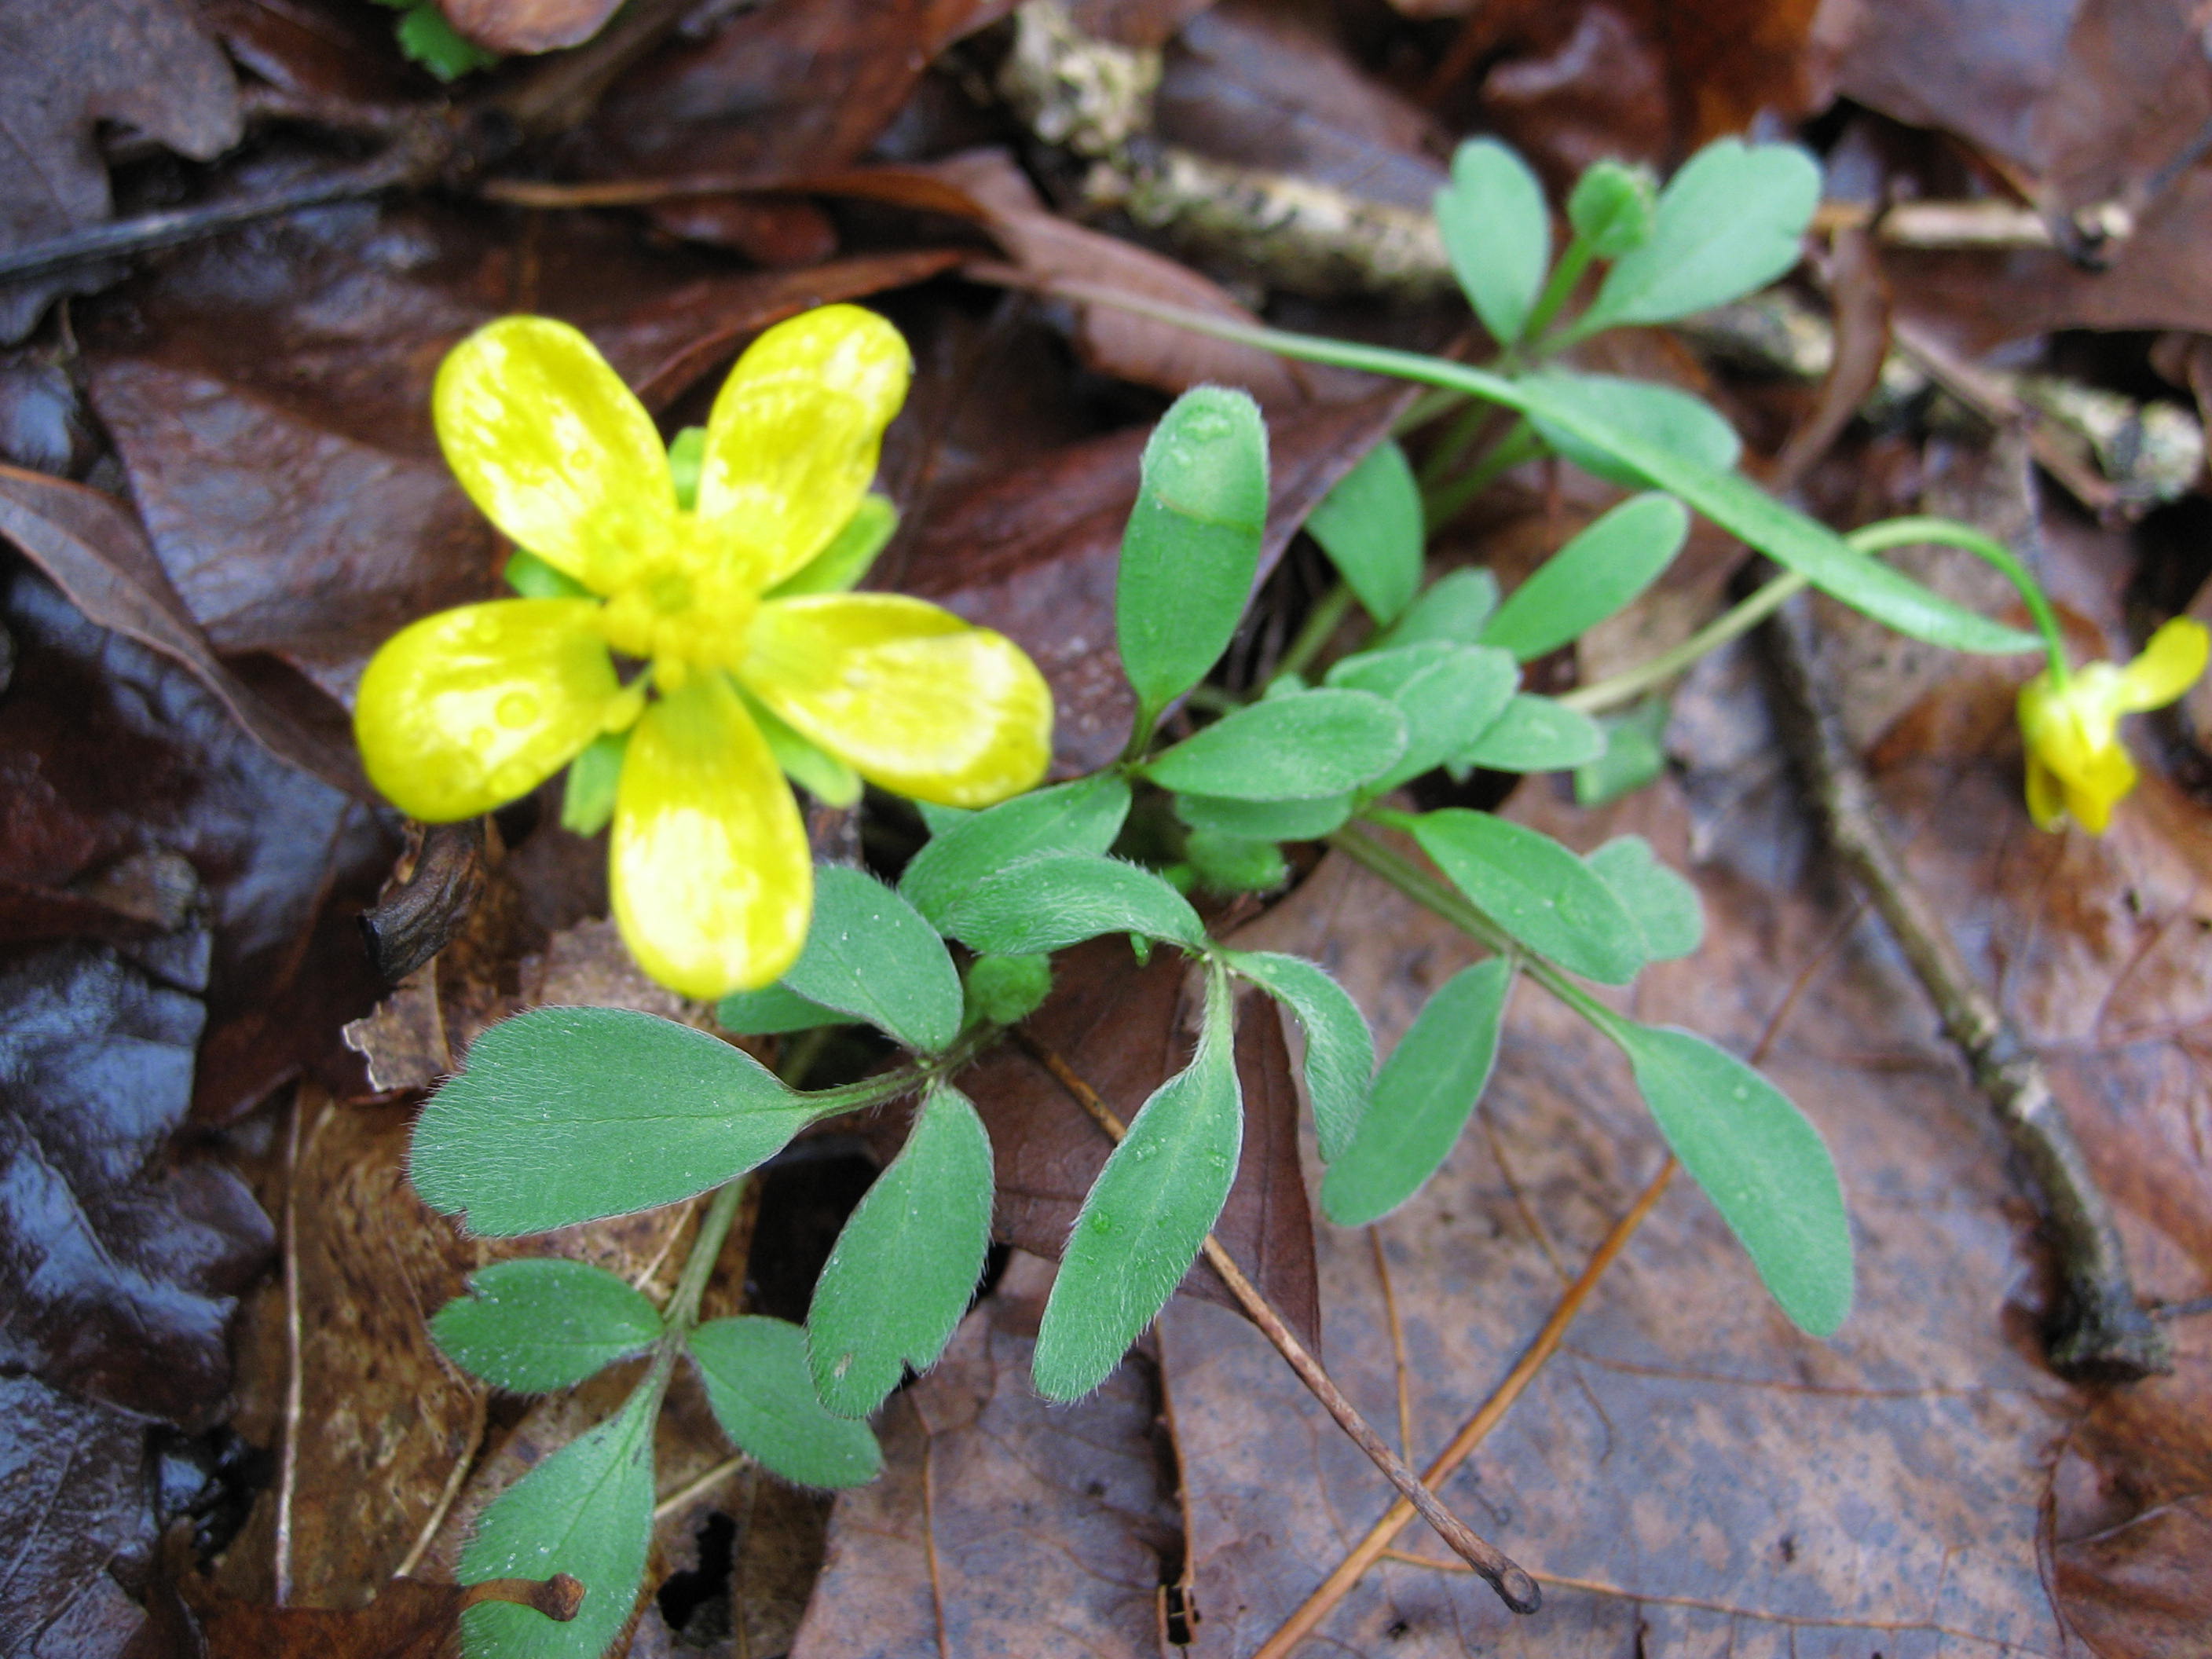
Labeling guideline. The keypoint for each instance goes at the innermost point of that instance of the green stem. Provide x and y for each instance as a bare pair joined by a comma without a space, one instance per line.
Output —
1440,505
1451,451
1322,621
1741,618
682,1309
1949,532
1445,900
1565,275
1432,404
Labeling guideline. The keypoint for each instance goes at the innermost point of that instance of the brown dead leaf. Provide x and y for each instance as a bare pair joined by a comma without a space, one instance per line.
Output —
1000,1524
1688,1468
1123,1031
1114,341
97,554
65,67
387,1425
1261,87
527,26
1641,80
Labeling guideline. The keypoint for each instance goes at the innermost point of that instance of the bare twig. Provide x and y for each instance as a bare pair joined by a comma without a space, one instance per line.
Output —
1512,1582
1379,1537
2097,1331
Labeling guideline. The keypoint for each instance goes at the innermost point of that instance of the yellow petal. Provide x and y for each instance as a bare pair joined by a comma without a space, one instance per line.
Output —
914,698
468,710
2169,666
548,441
2046,796
710,875
791,442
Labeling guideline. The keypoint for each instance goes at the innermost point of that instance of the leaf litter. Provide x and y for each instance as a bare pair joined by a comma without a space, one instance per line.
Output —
183,867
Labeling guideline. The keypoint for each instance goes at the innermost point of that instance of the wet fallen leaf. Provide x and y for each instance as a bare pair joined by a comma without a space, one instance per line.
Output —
1000,1524
107,750
63,68
514,25
72,1473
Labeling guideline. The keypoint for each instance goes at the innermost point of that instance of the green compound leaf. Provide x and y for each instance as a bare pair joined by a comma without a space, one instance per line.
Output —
1729,223
1662,903
1595,575
1340,1049
567,1114
1454,608
1763,1164
772,1010
1049,902
1496,233
870,953
1193,543
1372,529
1265,820
1146,1214
1083,816
1535,734
907,1263
1445,691
1663,417
763,1395
532,1325
1612,209
588,1511
1295,747
1535,890
838,567
1423,1098
1635,754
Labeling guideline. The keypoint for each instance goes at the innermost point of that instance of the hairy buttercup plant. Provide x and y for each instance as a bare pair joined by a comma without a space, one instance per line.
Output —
563,1115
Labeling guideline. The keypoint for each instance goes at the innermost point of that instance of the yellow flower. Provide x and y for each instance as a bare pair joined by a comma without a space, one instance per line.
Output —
710,874
2076,761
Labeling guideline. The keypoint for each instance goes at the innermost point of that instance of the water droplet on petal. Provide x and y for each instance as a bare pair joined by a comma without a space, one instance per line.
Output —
518,709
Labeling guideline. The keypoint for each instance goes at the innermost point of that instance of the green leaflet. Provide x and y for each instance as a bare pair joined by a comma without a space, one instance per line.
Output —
1340,1060
1423,1096
1535,734
1295,747
1265,820
543,1323
1763,1164
1371,527
1083,816
1730,222
1635,754
1454,608
566,1115
1597,573
1662,903
1445,691
1147,1215
1049,902
907,1261
1534,889
1193,543
763,1395
1497,232
1663,417
870,954
588,1511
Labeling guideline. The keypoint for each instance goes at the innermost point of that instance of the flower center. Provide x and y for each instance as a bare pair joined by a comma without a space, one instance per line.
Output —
682,605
